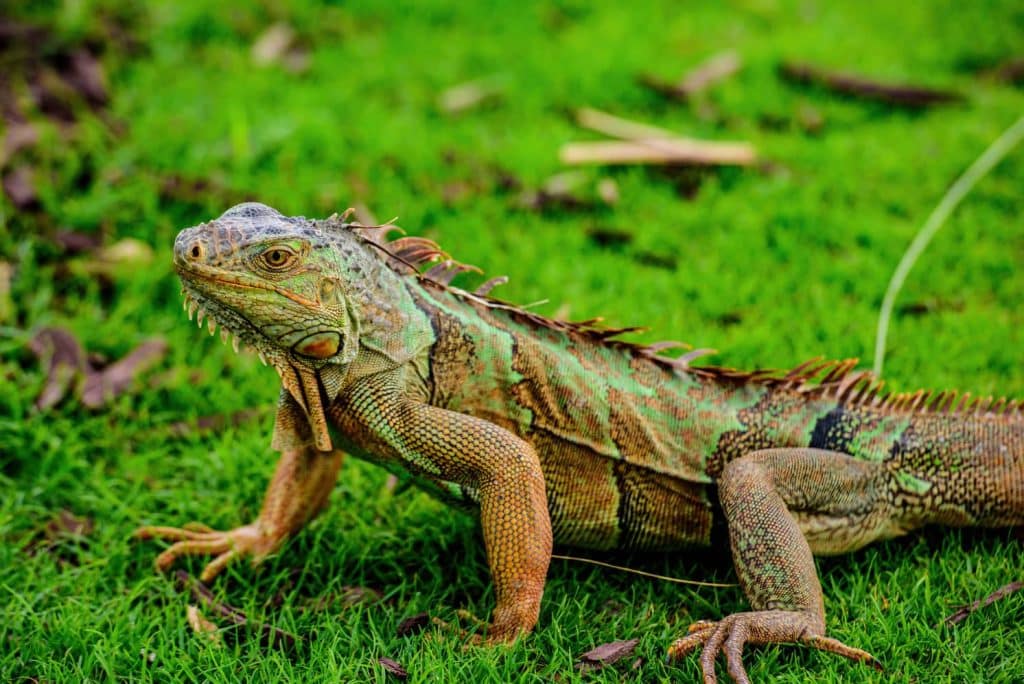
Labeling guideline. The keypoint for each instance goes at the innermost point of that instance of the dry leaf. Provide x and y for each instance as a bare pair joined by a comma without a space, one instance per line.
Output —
85,74
200,625
277,44
272,44
67,524
393,667
19,136
64,536
606,654
74,243
412,625
114,380
20,188
64,359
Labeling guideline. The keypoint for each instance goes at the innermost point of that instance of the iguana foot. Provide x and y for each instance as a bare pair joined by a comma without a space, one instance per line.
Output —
196,539
761,627
482,633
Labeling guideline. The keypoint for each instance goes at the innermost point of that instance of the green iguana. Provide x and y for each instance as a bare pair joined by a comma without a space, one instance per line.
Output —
560,432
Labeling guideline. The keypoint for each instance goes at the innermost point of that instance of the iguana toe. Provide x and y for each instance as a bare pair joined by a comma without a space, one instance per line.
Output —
729,635
198,540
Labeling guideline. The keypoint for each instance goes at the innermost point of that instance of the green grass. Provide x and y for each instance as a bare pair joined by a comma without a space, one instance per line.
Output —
773,266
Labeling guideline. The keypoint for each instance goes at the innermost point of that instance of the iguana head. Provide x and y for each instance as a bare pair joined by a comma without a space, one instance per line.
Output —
274,282
308,295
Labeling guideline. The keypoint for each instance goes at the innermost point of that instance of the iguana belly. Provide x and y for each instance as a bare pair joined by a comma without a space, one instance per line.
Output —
599,503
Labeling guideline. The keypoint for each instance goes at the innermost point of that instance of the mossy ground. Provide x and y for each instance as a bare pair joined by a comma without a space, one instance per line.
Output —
771,266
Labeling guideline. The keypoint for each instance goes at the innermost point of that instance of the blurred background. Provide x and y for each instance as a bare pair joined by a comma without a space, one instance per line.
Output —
799,146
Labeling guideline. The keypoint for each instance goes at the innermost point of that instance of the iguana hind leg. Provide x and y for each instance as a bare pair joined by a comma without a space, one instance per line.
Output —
298,491
774,501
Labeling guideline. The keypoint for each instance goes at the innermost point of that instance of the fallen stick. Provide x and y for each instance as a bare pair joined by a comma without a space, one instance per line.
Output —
659,152
662,146
962,612
865,88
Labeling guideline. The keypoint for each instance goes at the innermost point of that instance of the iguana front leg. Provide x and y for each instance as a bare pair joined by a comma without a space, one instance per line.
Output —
773,500
298,491
497,468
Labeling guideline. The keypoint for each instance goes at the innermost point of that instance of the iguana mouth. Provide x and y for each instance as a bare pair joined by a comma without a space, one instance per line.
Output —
240,281
199,311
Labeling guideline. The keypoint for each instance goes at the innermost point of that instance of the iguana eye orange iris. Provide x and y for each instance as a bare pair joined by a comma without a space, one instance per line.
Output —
278,258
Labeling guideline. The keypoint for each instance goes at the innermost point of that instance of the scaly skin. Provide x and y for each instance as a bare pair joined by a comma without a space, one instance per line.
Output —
557,432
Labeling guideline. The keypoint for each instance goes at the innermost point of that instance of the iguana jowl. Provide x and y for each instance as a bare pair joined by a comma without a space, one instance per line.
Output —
556,431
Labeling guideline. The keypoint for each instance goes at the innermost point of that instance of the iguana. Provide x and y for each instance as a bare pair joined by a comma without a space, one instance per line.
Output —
561,432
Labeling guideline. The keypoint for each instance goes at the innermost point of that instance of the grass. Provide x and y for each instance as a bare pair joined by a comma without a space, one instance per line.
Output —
772,266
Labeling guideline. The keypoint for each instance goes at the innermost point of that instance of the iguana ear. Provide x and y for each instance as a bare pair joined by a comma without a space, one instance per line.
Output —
310,395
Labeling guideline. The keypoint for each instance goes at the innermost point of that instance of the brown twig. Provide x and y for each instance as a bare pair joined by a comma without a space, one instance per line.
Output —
270,635
961,613
902,95
713,70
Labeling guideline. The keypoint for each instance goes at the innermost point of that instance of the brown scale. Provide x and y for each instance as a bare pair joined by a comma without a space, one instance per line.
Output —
452,358
777,419
974,465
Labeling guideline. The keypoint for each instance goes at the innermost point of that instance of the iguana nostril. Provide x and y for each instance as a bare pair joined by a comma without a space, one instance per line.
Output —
196,251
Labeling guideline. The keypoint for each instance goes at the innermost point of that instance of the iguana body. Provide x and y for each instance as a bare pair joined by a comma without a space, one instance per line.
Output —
557,432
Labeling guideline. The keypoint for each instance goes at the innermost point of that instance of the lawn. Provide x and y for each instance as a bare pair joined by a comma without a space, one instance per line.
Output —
125,123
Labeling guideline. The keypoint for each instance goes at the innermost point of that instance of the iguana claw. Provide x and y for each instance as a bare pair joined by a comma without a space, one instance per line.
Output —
729,635
196,539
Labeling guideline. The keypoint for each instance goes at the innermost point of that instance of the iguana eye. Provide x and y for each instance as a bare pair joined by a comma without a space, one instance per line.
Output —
278,258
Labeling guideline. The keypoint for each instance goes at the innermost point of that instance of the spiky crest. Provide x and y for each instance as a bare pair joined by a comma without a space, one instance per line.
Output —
818,378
